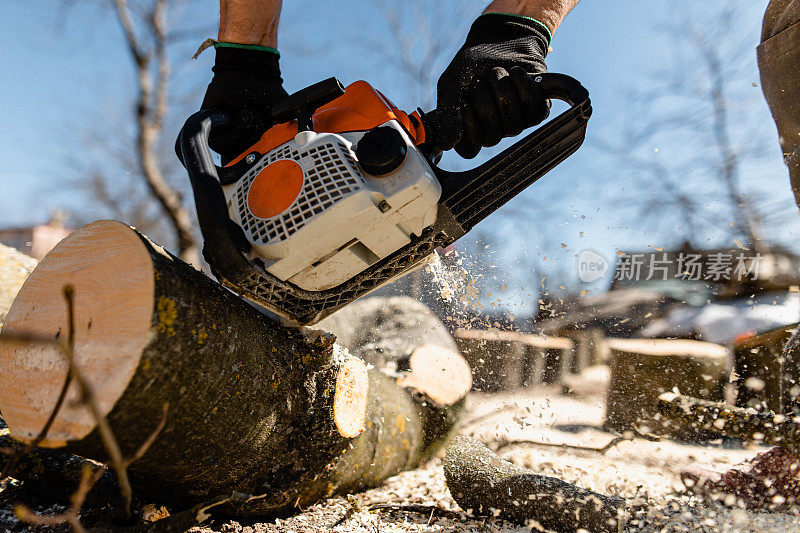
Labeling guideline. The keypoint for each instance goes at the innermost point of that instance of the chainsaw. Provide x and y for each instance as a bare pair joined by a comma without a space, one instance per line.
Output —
343,195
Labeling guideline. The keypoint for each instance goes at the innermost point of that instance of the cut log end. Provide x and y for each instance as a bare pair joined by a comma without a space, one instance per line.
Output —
112,326
439,373
350,398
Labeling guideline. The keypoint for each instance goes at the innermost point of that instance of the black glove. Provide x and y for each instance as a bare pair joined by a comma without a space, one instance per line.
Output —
486,93
246,83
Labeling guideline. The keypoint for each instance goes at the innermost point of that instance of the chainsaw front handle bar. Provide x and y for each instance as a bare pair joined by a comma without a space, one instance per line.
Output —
223,241
562,87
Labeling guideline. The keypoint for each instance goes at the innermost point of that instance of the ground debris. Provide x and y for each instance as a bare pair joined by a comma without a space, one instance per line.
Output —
645,472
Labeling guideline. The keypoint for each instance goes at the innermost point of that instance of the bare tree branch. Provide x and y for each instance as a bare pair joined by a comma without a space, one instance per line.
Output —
692,106
128,27
87,397
151,108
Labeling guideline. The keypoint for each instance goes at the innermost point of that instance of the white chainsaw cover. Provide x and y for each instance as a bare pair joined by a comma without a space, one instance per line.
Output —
342,220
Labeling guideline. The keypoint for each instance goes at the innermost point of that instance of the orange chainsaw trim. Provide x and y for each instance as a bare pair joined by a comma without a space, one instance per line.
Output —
360,108
275,188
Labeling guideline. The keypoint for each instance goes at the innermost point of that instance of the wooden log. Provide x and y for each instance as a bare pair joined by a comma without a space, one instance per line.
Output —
641,369
252,406
14,270
485,484
403,338
765,427
387,331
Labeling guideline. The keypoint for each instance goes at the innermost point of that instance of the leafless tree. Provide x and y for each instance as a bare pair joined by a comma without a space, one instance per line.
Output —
690,139
130,178
421,40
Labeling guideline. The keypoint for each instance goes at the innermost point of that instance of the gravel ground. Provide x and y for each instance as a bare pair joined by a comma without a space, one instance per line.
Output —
643,471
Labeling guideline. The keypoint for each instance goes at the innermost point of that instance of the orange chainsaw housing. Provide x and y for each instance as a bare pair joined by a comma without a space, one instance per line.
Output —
360,108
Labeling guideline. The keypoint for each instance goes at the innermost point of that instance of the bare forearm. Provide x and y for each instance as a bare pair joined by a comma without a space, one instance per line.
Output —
249,21
549,12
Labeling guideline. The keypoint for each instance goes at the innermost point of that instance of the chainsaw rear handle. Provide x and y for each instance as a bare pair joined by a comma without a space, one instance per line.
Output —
302,104
470,196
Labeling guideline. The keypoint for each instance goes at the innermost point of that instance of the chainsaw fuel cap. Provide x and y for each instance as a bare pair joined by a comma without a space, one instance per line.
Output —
381,151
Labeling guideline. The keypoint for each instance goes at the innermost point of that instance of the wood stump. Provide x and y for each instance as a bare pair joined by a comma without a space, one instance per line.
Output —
251,406
764,376
505,360
553,356
494,358
642,369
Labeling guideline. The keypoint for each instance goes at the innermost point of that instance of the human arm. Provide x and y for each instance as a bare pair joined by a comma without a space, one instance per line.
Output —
487,92
247,78
549,12
253,22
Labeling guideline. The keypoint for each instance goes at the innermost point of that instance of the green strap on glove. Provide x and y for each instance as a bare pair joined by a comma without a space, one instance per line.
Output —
247,47
539,22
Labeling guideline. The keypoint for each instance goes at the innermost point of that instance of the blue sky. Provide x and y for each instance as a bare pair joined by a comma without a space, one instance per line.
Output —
58,75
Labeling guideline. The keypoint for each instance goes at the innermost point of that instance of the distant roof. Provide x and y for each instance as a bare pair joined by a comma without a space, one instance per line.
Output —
35,241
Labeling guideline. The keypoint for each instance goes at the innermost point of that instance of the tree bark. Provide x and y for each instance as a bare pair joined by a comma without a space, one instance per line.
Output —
480,481
252,406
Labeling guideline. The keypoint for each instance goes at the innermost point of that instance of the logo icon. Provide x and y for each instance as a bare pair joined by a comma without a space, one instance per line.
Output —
591,266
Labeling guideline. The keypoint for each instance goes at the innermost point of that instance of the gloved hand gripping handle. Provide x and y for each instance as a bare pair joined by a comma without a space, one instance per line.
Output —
470,196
